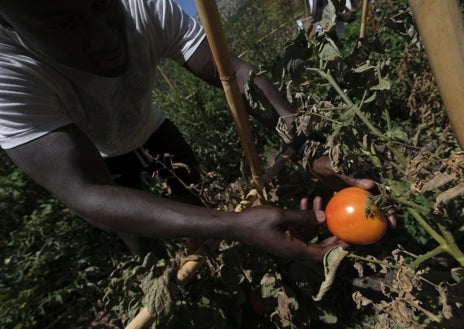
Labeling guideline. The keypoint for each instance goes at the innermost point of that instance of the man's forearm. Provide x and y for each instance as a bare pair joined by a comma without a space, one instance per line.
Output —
119,209
280,105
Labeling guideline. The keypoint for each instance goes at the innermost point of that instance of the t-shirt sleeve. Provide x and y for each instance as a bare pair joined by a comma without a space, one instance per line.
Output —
170,28
29,103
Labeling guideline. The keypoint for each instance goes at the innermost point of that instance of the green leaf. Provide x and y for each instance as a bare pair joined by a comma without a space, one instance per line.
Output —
158,295
383,84
329,17
328,50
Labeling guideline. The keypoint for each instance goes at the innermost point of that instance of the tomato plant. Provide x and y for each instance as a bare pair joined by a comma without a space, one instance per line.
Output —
351,217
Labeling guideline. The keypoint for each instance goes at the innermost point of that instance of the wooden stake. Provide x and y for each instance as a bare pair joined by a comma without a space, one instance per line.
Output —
210,18
143,319
441,28
362,30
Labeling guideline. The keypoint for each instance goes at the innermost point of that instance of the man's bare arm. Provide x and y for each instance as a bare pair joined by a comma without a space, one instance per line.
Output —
66,163
202,65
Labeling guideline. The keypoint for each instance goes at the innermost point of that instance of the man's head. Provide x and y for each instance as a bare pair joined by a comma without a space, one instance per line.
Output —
89,35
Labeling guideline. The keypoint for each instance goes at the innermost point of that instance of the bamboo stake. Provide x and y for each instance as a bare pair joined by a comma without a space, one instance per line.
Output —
280,162
362,30
209,15
143,319
441,28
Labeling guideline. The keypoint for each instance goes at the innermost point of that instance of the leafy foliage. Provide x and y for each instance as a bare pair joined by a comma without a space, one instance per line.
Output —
50,259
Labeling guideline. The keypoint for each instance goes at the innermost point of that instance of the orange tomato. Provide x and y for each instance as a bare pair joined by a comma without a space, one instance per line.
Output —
346,217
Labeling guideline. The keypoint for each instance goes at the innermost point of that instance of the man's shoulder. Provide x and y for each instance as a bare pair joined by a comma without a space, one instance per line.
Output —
22,69
162,12
17,61
13,51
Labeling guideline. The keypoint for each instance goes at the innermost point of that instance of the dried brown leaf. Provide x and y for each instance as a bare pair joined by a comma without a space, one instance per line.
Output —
360,300
449,195
447,309
441,179
285,305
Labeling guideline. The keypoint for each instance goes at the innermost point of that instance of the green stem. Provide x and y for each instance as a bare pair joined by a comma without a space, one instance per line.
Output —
446,241
348,101
398,155
451,246
434,234
430,315
408,203
422,258
376,132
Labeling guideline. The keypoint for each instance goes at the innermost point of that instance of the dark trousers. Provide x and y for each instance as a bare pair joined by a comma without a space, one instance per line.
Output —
166,155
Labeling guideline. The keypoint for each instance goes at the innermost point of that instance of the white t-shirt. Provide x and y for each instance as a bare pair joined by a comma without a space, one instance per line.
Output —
37,97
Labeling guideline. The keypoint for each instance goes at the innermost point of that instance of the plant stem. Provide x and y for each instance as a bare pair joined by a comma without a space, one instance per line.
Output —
451,246
407,203
446,241
374,260
432,316
434,234
376,132
422,258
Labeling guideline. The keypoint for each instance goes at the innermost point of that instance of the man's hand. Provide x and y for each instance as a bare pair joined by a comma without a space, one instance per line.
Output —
324,171
286,233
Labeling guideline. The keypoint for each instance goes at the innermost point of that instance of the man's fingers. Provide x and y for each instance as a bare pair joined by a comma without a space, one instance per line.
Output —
332,241
318,251
317,203
391,217
304,204
323,169
363,183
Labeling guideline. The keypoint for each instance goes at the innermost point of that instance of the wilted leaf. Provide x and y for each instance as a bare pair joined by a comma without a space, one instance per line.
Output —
360,300
447,309
332,260
359,268
439,180
449,195
269,286
285,305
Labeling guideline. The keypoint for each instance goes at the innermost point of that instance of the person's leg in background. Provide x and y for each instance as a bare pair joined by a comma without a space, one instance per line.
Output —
127,170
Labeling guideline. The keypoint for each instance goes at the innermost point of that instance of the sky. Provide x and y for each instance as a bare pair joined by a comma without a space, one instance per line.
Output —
188,6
